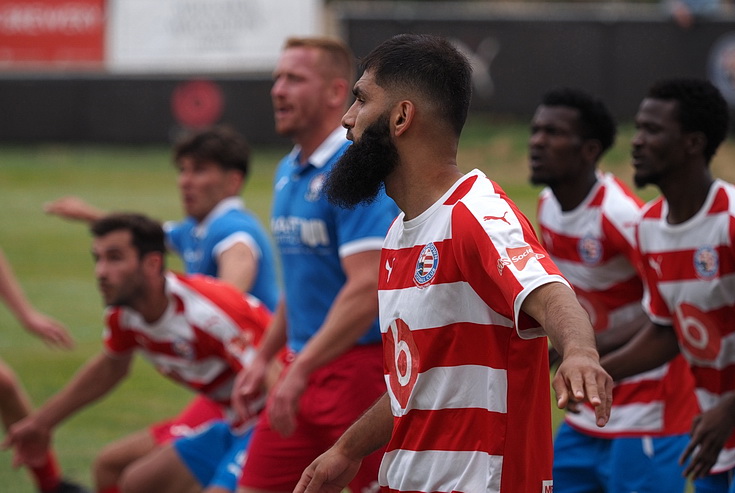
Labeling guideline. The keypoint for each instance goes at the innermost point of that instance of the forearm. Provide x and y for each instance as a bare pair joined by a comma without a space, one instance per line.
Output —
12,293
92,381
650,348
556,308
616,337
372,431
275,336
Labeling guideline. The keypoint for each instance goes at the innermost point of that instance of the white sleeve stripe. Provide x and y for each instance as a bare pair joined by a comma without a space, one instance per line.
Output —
361,245
238,237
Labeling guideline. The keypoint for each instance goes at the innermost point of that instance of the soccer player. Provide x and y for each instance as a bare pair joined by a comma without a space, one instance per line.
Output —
587,221
219,238
466,293
329,254
195,330
14,402
686,243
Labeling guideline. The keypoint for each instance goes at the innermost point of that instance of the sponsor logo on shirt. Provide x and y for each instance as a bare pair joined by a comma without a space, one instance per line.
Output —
389,268
293,231
426,265
706,262
519,257
314,190
547,487
590,250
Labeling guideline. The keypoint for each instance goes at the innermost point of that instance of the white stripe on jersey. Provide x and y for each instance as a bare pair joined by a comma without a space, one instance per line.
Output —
626,418
437,471
596,277
466,305
702,229
456,387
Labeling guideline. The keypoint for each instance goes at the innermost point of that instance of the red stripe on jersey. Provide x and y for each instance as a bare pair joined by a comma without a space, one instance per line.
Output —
116,339
617,295
679,265
462,344
403,265
461,191
716,381
598,198
449,429
230,300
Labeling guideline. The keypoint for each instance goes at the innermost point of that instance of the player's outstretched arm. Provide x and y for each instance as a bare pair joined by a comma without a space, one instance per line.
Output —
31,436
51,331
73,208
650,348
335,468
580,376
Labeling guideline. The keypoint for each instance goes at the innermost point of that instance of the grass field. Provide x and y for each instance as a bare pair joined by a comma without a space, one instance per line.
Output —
51,258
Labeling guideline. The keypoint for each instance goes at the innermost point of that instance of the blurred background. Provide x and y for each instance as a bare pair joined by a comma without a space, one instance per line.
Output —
136,71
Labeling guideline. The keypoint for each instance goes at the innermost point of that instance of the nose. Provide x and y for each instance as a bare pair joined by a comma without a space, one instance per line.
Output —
536,139
277,87
348,120
637,139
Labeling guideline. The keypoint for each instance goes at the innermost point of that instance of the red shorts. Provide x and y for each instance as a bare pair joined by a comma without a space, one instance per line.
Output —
336,396
200,410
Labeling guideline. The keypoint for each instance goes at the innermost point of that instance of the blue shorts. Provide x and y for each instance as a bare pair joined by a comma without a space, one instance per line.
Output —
215,456
586,464
723,482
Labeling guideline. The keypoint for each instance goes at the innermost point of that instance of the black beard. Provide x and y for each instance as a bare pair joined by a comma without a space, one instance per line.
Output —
360,173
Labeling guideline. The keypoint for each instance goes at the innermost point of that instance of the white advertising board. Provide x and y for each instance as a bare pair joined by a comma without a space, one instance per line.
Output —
182,36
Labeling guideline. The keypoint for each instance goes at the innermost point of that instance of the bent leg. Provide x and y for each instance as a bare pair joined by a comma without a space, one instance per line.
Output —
161,471
14,402
111,462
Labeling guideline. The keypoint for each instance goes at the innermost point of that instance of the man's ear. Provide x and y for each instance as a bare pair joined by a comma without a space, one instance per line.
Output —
339,90
402,116
695,143
591,150
235,181
152,263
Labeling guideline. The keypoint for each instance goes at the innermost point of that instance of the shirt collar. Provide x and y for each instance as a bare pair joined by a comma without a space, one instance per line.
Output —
326,149
220,209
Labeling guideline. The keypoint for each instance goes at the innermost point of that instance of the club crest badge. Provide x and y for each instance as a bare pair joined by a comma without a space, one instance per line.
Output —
590,250
706,262
183,348
426,265
314,190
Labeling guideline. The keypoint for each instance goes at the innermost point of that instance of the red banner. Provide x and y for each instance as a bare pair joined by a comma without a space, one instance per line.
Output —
50,33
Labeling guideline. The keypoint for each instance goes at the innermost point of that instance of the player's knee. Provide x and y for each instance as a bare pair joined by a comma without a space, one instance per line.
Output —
106,469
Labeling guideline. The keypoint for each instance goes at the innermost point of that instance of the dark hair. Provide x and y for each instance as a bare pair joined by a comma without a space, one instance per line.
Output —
428,65
701,108
595,120
147,233
221,145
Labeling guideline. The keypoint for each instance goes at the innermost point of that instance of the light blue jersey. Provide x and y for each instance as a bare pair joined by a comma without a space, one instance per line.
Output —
312,236
199,245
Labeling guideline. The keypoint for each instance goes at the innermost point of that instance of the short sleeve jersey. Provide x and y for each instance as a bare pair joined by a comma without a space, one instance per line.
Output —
466,370
594,246
690,285
312,237
208,332
199,245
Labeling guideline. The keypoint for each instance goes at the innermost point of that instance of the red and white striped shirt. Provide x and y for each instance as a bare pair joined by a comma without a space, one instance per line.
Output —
467,371
690,284
594,247
208,332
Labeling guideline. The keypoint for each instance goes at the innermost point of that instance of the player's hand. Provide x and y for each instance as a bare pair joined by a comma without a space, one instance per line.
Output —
283,402
710,430
247,392
329,473
72,208
581,378
30,441
51,331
